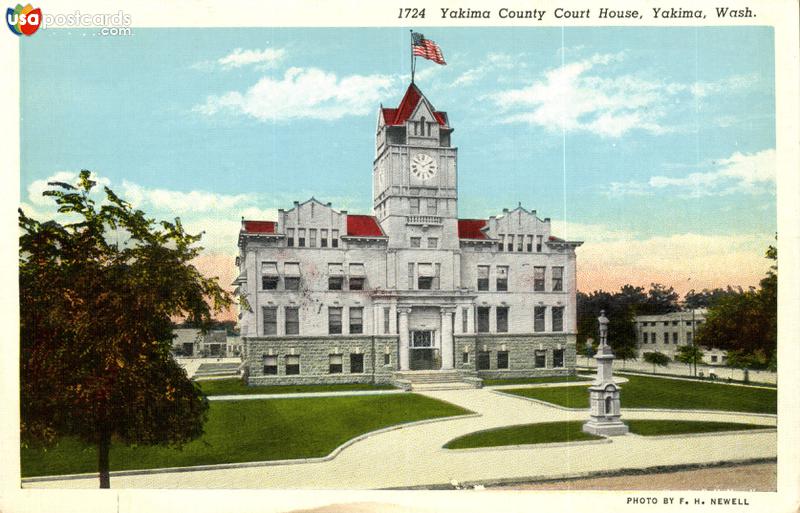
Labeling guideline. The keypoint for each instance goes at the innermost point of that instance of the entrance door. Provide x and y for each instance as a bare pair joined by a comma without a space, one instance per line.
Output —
423,356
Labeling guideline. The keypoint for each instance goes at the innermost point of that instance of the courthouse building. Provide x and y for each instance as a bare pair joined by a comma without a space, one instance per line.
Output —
410,291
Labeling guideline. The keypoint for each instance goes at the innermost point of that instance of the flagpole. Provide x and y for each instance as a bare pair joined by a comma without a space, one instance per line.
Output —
411,48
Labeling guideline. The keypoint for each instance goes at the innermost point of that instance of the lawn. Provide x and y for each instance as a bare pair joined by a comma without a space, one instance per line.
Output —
253,430
235,386
526,381
572,432
548,432
650,392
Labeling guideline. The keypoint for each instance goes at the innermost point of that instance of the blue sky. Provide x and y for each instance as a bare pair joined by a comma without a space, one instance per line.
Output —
655,145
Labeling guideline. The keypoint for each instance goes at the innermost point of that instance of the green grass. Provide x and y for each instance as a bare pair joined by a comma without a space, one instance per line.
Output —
525,381
548,432
680,427
650,392
252,430
235,386
551,432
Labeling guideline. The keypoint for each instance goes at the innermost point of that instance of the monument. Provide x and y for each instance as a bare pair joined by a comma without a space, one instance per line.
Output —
604,407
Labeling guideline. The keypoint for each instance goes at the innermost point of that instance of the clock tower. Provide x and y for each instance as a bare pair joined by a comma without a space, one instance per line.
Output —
415,175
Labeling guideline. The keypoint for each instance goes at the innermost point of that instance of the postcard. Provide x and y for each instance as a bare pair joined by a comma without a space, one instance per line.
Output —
391,257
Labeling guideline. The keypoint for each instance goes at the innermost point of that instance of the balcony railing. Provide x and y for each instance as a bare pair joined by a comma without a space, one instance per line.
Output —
418,219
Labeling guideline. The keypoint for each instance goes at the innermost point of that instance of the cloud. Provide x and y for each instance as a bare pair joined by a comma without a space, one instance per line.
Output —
37,187
182,202
743,173
260,59
575,97
303,93
492,62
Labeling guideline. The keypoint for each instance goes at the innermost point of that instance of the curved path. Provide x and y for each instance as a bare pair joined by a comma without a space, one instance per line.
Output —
413,455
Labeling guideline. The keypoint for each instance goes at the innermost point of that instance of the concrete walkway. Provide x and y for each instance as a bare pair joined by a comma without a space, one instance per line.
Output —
413,455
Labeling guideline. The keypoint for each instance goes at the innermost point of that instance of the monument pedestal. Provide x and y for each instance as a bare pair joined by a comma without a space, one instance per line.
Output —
604,406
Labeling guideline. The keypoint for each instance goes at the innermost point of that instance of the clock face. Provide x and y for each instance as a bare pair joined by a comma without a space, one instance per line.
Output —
423,166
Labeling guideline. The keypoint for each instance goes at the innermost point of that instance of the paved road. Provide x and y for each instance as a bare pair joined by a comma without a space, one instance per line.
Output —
413,455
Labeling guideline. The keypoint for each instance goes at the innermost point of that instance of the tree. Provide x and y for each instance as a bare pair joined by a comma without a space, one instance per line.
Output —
96,324
689,354
660,300
708,297
746,324
656,358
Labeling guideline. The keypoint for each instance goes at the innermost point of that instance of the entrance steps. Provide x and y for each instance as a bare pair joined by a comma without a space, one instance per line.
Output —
436,380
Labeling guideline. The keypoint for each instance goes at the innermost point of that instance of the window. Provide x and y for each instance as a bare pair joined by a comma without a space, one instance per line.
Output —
334,320
356,319
713,359
290,237
674,323
425,276
483,360
689,337
334,364
386,313
483,277
538,243
666,338
291,275
665,323
653,338
356,363
502,239
411,276
510,243
270,365
270,315
675,337
323,238
502,359
312,237
465,357
387,359
519,243
502,319
688,323
269,275
357,276
413,205
416,242
529,245
539,358
437,273
558,357
502,278
292,364
335,276
483,319
431,206
464,320
558,279
292,320
433,242
538,279
538,318
421,339
558,318
334,238
301,237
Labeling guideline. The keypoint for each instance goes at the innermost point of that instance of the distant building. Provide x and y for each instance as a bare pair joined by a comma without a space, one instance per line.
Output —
338,297
192,342
667,332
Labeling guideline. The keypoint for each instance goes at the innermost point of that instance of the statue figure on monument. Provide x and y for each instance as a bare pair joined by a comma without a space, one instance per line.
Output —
604,404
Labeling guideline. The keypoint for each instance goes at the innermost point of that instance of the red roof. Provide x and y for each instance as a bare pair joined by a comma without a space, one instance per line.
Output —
259,226
363,226
407,105
471,229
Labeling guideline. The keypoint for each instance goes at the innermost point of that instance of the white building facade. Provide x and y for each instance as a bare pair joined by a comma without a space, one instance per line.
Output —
665,333
333,297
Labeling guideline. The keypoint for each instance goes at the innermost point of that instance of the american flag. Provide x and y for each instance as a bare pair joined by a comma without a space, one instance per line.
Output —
426,48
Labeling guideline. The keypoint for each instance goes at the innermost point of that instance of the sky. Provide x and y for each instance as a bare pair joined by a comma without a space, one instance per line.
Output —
655,146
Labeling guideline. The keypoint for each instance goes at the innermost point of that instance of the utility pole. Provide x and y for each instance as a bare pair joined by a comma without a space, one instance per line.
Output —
694,346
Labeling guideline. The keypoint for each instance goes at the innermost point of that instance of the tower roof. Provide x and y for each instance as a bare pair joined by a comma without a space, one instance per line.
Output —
407,105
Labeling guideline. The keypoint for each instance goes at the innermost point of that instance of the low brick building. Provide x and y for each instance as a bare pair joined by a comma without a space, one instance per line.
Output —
667,332
337,297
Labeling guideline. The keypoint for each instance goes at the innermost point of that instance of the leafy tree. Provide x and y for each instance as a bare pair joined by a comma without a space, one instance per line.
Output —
708,297
656,358
660,300
96,324
746,324
689,354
